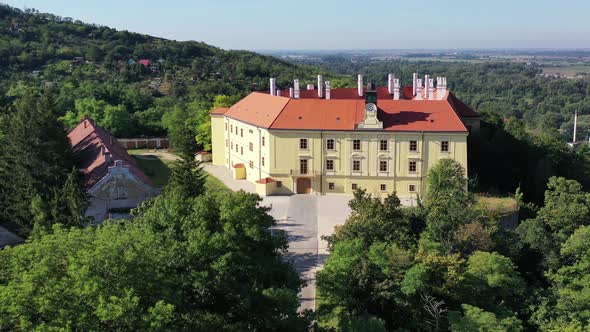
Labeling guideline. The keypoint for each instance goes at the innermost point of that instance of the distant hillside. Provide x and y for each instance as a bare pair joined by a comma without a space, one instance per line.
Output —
96,68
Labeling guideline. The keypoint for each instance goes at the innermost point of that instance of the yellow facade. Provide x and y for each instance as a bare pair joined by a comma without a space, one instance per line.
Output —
279,154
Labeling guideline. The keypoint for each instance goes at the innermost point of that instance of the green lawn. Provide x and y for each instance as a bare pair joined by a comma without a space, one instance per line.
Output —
158,170
500,205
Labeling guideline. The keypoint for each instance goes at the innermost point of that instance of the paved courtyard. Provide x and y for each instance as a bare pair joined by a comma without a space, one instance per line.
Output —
305,218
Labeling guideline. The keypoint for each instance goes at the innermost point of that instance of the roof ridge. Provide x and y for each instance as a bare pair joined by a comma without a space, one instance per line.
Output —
281,111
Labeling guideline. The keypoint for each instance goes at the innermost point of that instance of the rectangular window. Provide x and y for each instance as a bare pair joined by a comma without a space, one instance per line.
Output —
303,166
236,130
236,148
356,165
383,187
279,184
444,146
303,143
262,161
231,128
251,131
329,164
241,150
330,185
356,144
383,145
330,144
382,165
226,143
241,132
251,146
412,188
263,140
412,167
251,164
354,186
413,146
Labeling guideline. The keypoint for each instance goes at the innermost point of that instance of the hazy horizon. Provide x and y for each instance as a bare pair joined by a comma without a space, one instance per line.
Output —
265,25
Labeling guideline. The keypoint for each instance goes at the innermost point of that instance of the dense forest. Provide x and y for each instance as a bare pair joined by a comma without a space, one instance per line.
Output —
448,265
131,84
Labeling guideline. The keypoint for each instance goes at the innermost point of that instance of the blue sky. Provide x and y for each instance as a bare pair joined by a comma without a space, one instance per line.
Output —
341,24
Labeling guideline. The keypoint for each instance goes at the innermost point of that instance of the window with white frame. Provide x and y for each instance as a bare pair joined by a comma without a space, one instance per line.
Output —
263,140
356,165
354,186
251,146
444,146
356,145
412,166
383,187
412,188
329,164
303,166
413,146
330,144
382,165
331,186
383,145
303,143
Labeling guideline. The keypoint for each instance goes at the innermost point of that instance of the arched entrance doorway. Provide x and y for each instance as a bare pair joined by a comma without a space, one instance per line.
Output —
304,186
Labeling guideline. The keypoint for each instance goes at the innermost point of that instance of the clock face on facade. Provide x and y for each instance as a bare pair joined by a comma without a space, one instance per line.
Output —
371,108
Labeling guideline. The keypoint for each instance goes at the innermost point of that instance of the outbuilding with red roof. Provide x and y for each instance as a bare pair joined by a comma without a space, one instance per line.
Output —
111,176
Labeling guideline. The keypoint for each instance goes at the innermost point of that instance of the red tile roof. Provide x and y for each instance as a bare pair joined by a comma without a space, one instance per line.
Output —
265,180
97,150
345,110
219,110
144,62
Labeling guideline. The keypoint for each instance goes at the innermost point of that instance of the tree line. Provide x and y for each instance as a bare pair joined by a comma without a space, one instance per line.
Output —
448,265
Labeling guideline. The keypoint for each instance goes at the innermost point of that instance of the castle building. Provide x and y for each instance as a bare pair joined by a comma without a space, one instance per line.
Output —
324,140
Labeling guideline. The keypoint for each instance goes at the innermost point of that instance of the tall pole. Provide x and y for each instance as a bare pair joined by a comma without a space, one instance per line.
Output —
575,124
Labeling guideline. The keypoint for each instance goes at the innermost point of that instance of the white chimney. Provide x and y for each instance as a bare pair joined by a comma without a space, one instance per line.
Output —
426,86
431,89
273,86
296,87
418,89
320,86
441,87
414,79
390,79
575,125
396,88
291,91
360,85
328,89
